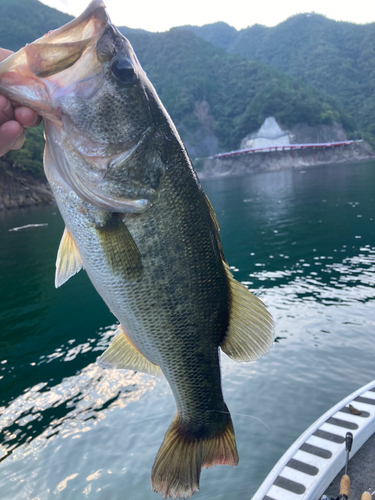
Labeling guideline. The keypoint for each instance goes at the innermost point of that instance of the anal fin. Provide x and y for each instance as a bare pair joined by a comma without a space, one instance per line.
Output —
68,261
121,353
250,333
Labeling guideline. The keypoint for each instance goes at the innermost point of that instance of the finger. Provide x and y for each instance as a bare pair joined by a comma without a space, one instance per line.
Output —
9,133
26,117
20,140
6,110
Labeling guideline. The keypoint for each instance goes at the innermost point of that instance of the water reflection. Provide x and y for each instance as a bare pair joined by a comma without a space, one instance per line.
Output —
352,280
71,407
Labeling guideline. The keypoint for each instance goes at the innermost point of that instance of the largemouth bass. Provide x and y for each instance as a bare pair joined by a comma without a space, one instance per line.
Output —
139,223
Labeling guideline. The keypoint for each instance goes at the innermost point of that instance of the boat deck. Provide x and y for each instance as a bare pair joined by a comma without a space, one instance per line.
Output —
361,471
305,471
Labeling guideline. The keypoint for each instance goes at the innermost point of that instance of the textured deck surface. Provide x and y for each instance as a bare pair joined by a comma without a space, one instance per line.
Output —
361,471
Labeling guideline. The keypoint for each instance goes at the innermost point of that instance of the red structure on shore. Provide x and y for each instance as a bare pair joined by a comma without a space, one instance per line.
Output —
286,147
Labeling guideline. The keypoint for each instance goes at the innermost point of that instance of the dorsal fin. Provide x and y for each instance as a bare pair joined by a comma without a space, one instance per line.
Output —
216,226
121,353
250,332
68,261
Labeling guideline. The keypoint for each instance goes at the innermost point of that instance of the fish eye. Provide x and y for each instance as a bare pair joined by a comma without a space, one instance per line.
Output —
123,70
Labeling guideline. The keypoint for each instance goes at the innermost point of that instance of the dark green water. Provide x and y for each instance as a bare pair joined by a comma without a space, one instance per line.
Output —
302,241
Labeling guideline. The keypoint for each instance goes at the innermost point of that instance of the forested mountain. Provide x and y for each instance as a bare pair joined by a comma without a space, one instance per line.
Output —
23,21
208,92
219,34
337,58
186,70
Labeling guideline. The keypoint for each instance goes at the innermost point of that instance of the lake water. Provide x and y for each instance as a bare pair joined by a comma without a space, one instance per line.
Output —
303,241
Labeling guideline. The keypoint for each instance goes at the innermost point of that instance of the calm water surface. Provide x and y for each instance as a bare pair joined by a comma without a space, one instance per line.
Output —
303,241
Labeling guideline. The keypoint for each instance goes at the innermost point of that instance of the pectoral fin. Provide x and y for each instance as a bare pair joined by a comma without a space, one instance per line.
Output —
119,248
68,261
250,332
121,353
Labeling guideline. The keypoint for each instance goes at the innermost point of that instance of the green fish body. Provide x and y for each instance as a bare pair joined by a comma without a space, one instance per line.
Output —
138,221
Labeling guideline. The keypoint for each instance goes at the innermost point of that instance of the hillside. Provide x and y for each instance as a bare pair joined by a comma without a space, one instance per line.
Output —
219,34
22,21
337,58
215,98
187,71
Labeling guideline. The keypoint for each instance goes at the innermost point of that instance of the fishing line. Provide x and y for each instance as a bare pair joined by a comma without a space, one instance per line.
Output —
243,415
148,418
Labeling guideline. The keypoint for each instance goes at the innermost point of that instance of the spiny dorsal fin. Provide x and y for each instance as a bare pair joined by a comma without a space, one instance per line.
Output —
121,353
250,332
216,226
68,261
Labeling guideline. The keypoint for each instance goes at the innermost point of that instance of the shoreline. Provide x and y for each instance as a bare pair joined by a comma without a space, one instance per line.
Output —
268,161
20,189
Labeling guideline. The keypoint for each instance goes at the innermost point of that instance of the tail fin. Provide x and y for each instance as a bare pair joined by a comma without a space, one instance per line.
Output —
181,457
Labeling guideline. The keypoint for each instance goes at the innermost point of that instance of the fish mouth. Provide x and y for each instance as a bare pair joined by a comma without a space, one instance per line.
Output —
28,76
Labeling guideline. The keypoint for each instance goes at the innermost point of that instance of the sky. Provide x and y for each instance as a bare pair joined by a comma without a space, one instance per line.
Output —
161,15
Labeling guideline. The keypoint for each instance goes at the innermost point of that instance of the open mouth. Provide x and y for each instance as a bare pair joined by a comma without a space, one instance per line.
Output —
26,75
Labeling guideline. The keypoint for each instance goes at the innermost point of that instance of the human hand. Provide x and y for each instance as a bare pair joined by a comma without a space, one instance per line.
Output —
14,120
